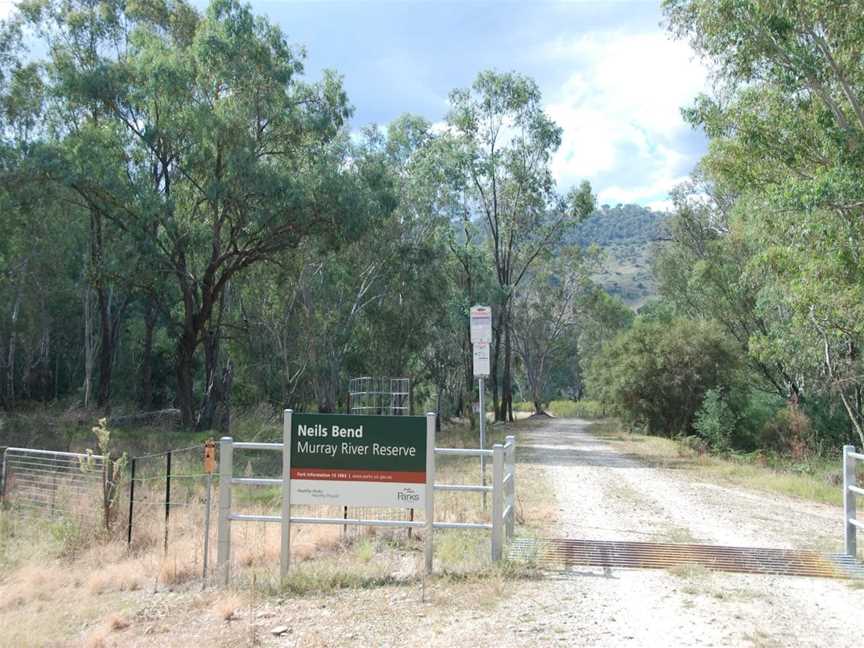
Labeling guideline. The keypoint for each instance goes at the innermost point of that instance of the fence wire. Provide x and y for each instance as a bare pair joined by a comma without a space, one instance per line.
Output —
167,508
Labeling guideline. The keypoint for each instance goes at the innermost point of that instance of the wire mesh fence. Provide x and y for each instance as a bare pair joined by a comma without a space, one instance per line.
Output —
376,396
53,484
168,508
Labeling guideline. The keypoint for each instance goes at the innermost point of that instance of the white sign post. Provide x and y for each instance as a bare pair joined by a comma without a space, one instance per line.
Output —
481,338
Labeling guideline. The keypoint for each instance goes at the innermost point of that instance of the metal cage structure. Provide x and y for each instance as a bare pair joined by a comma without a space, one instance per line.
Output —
375,396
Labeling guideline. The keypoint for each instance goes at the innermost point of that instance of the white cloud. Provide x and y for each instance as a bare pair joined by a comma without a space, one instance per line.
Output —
6,7
620,111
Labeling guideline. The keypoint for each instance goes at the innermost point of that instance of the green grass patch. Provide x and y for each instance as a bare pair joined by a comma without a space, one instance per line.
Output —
586,409
459,551
320,577
816,479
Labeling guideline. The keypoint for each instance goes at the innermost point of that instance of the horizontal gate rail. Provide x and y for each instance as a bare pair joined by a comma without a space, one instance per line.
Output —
52,482
464,452
256,481
254,445
399,524
470,488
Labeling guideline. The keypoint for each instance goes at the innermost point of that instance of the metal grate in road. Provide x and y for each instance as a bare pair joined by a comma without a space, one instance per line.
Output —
565,553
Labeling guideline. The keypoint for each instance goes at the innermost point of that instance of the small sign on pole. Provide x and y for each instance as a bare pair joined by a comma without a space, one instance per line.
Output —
209,467
209,456
481,324
481,359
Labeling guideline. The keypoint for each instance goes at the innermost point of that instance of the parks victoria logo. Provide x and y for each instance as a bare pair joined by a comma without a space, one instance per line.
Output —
358,460
408,495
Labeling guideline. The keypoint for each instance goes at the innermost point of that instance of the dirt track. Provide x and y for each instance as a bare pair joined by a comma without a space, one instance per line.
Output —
603,494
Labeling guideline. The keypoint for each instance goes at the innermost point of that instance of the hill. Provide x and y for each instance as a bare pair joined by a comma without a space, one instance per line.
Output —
626,233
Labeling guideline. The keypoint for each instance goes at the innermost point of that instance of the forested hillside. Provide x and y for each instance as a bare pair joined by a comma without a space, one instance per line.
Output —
621,225
627,235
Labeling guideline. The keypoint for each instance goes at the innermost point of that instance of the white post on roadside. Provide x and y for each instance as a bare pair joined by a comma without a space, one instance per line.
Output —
430,489
207,503
849,509
497,501
510,497
285,551
482,386
223,552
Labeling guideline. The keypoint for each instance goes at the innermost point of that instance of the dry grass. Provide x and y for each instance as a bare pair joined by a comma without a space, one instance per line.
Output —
123,576
62,578
227,608
690,571
678,535
100,637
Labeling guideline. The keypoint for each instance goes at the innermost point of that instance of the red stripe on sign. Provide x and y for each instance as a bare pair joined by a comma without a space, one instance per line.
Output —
341,474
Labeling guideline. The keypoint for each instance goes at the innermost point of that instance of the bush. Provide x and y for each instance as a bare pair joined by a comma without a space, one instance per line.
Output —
655,375
789,432
716,421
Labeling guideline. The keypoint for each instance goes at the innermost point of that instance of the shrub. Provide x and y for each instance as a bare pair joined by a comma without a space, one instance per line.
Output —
655,375
789,432
716,421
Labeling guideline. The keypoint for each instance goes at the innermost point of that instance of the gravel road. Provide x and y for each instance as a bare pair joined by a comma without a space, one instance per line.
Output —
602,493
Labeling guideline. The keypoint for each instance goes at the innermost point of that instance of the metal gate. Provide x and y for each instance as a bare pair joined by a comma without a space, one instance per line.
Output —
50,483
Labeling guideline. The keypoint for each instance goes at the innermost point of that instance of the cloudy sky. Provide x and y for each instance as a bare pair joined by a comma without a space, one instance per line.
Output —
610,76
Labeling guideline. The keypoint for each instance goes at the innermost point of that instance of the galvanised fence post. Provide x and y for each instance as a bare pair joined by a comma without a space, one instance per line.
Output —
511,484
497,501
223,551
167,496
849,512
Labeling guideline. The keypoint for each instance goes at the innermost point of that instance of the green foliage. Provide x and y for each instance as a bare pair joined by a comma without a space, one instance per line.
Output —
586,409
503,143
656,374
716,421
112,468
786,129
545,313
621,224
